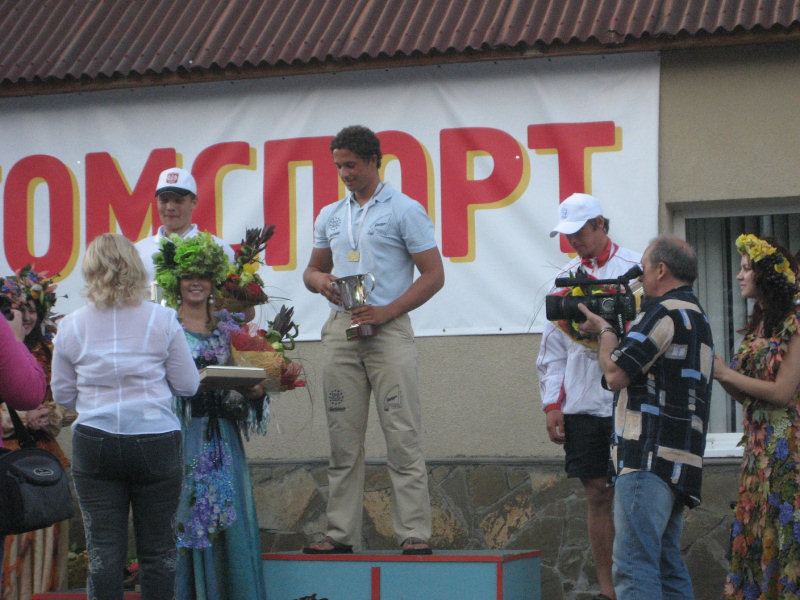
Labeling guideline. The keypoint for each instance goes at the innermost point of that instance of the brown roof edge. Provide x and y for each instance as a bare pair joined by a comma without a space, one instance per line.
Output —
682,41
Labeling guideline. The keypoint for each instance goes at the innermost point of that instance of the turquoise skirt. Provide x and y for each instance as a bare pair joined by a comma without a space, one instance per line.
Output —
219,548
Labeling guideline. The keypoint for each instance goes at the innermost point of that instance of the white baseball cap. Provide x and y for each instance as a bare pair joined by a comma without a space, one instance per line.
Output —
176,180
574,211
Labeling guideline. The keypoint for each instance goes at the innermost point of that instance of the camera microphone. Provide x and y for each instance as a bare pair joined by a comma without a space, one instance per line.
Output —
632,273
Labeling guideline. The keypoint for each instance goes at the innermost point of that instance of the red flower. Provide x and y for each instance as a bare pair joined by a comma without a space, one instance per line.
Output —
290,373
243,341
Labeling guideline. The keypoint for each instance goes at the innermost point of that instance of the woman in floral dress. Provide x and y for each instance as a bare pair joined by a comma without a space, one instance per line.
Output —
218,539
764,376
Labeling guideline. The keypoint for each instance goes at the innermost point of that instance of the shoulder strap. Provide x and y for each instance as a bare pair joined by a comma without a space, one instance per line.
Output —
20,431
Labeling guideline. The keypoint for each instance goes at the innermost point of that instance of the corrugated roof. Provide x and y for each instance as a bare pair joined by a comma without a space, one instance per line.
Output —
75,40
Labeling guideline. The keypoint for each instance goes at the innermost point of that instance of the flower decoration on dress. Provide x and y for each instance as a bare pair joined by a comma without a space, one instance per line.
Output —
243,285
29,286
178,258
758,249
210,484
266,348
214,348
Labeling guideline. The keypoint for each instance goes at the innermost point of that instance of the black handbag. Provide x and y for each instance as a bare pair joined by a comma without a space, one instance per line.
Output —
34,489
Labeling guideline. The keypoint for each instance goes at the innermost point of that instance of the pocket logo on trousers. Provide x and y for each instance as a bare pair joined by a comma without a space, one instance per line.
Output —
335,400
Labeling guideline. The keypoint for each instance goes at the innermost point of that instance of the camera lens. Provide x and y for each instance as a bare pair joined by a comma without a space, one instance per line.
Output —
554,308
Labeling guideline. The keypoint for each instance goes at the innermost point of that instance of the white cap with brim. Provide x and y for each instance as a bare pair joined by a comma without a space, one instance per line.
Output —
176,180
574,211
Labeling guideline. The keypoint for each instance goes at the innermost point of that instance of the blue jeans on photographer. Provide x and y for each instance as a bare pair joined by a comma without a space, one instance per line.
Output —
114,474
648,522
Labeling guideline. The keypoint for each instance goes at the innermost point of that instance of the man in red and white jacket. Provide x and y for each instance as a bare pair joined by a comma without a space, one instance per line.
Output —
578,410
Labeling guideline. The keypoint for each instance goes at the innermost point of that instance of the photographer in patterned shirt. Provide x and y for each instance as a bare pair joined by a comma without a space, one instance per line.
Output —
661,373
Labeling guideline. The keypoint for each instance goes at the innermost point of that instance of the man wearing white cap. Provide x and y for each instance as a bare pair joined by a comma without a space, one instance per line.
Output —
177,198
578,410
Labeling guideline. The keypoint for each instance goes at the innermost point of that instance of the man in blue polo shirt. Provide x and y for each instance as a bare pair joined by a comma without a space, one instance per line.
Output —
375,229
662,373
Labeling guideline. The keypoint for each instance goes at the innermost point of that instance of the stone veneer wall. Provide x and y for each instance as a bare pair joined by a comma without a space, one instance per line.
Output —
495,504
489,504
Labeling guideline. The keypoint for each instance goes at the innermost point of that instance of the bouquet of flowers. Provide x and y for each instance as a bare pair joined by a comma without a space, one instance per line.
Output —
266,348
243,286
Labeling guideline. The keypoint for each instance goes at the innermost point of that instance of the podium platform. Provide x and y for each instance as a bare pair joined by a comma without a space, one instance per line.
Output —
444,575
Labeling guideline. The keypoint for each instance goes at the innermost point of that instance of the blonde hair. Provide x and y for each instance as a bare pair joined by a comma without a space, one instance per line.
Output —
114,272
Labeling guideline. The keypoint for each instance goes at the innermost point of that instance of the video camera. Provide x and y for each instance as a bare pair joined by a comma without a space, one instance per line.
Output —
617,307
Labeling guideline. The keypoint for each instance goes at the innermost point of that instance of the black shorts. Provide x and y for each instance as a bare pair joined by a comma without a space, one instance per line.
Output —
588,445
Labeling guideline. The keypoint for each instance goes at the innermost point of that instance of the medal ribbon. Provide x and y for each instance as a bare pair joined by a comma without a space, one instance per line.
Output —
355,240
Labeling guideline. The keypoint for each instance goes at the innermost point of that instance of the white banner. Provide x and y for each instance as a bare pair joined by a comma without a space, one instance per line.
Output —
488,148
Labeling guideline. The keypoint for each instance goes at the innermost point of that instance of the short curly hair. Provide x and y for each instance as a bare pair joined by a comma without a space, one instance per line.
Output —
114,272
360,140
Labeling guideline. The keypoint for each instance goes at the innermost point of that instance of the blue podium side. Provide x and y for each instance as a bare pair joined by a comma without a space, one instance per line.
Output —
447,574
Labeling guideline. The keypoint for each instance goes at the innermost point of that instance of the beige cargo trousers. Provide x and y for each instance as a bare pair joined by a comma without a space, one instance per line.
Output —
386,365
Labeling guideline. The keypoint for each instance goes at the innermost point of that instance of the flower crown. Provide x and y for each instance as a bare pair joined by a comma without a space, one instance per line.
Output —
198,256
29,286
758,249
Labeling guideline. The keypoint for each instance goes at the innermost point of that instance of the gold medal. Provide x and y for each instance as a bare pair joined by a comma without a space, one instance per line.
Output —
354,256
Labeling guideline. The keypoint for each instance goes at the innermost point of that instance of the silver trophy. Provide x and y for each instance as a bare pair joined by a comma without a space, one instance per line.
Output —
353,292
157,294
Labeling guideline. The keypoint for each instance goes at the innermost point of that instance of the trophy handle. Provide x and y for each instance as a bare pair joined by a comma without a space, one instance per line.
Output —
372,282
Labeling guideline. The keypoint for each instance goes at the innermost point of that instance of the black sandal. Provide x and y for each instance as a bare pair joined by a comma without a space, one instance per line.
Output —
415,546
335,547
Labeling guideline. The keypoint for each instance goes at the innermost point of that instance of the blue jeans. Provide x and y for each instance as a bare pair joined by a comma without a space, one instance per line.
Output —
117,473
648,520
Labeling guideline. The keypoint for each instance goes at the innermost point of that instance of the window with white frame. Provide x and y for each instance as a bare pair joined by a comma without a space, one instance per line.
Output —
712,234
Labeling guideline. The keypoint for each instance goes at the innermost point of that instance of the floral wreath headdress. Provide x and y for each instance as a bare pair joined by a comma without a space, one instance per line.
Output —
758,249
178,258
29,286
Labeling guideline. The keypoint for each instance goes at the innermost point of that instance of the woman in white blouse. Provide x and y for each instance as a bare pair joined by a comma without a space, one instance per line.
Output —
117,362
